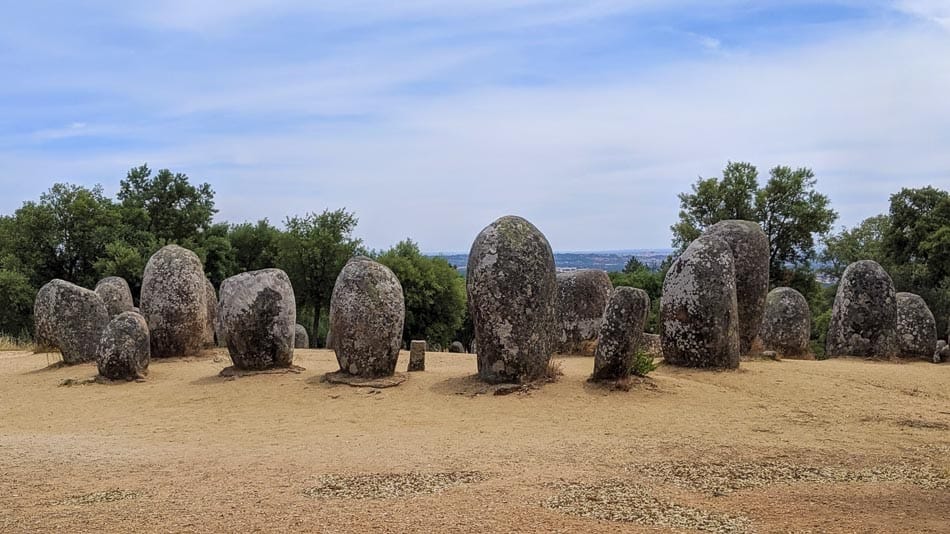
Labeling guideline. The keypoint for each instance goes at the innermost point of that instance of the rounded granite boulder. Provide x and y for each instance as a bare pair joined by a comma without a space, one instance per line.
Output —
581,299
258,313
916,327
698,312
367,312
512,294
620,333
301,337
116,295
786,327
864,315
174,302
69,318
750,254
124,350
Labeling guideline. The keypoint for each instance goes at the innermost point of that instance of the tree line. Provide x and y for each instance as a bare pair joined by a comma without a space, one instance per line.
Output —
80,235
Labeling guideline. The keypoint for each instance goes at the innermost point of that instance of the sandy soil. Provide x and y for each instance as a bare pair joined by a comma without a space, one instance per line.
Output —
790,446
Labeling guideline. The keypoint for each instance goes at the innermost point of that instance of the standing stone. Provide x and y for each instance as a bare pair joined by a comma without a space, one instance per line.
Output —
652,344
301,338
916,327
942,353
620,333
211,316
750,254
581,300
457,347
864,316
512,293
174,302
417,356
116,295
71,319
367,312
259,314
786,328
698,312
124,350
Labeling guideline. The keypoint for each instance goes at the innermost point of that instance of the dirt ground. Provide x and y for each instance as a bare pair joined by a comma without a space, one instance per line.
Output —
789,446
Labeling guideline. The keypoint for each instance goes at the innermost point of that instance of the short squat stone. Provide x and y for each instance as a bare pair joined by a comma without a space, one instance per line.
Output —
259,313
916,327
786,328
417,356
620,333
124,350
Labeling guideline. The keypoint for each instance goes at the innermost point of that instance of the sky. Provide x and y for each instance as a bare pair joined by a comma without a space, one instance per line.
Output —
431,119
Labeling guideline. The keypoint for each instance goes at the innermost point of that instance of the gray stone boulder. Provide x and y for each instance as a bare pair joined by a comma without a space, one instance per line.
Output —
69,318
301,337
417,356
211,314
581,300
124,350
864,315
258,313
942,353
116,295
512,294
620,333
750,254
786,327
174,302
652,344
457,347
367,312
698,312
916,327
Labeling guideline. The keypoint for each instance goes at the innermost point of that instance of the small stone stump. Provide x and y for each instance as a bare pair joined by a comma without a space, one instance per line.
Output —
620,333
301,338
417,356
942,353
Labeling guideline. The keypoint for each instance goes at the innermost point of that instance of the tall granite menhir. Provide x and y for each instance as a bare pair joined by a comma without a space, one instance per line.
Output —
258,313
864,316
582,298
750,253
698,311
620,333
367,312
512,294
174,302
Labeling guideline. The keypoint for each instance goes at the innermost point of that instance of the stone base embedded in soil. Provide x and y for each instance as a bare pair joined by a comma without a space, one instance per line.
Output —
361,382
233,371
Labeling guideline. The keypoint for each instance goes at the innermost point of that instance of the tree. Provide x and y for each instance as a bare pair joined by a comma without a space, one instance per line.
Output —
312,251
256,246
792,214
166,205
919,232
16,304
863,242
434,292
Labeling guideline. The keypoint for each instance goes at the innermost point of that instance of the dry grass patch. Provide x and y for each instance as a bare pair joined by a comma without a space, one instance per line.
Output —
725,478
388,486
8,343
616,500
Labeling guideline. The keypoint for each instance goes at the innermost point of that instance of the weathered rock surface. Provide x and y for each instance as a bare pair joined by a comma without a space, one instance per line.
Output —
301,338
620,333
116,295
916,327
211,315
582,298
652,344
367,312
698,312
786,327
750,254
258,312
71,319
417,356
942,353
124,350
864,316
456,347
512,293
174,302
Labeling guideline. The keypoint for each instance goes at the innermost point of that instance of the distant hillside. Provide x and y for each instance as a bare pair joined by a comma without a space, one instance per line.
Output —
568,261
